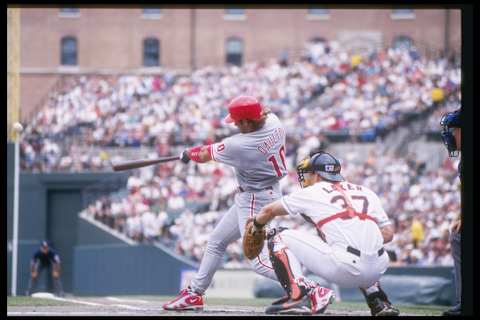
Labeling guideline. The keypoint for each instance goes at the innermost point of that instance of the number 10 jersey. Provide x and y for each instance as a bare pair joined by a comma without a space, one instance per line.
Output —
258,157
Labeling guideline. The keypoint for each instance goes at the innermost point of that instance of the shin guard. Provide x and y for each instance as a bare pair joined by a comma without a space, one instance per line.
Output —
282,264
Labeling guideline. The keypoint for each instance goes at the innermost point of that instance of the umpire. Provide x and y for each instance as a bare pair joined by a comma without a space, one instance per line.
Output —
451,136
45,257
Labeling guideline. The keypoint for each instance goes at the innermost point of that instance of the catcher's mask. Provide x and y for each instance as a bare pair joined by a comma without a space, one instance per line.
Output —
321,163
448,122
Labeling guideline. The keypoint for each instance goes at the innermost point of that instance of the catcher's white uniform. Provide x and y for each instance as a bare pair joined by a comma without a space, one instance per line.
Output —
349,247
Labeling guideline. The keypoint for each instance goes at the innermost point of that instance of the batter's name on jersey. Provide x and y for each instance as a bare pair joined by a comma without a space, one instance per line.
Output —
342,185
271,140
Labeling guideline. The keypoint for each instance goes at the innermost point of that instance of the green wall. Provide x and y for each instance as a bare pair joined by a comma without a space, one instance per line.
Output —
49,204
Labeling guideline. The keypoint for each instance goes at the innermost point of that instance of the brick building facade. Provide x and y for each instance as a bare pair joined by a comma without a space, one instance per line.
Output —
55,41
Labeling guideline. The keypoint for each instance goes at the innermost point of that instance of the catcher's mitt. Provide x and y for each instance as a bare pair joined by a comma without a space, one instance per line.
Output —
253,240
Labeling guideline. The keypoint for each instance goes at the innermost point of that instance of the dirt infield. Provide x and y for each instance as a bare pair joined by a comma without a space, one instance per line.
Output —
152,306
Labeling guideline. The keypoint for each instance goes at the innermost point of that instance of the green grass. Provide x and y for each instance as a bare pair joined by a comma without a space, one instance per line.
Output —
426,310
29,301
340,306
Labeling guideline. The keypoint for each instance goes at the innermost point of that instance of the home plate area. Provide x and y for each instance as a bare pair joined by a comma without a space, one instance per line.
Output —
150,306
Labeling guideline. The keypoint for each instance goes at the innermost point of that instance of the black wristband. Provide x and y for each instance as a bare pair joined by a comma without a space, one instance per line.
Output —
257,225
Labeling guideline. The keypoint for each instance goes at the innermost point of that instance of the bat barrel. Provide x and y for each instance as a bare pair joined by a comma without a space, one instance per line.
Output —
127,165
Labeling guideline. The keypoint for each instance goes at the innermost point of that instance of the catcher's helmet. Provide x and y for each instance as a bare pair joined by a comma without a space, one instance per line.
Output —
322,163
243,107
449,121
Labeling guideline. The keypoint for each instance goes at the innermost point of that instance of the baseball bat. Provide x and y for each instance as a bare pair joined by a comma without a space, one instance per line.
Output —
127,165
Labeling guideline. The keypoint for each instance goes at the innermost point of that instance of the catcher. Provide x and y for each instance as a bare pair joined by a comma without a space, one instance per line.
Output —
351,227
45,257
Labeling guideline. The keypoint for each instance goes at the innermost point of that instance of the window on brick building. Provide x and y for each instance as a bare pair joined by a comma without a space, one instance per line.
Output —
234,14
68,51
402,42
69,12
235,11
402,14
234,51
318,40
318,14
151,13
151,52
316,11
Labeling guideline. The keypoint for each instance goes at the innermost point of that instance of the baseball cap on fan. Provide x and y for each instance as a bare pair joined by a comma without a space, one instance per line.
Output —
243,107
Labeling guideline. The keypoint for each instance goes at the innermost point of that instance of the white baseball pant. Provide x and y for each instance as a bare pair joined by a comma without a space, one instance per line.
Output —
333,263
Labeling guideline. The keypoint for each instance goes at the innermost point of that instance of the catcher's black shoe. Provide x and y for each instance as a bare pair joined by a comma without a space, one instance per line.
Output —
301,306
378,307
388,310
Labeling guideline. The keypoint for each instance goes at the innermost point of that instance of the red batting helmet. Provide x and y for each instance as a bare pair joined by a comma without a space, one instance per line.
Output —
243,107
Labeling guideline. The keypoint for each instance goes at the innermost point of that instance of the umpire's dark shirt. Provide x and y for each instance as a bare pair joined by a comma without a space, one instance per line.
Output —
46,259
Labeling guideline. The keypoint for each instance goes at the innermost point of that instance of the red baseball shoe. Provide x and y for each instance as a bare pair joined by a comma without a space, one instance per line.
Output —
186,300
320,298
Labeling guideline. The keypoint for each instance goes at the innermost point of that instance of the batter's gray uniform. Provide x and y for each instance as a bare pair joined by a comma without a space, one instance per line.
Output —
258,159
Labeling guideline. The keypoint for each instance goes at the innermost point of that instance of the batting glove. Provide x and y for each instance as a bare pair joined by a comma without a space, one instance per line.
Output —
184,157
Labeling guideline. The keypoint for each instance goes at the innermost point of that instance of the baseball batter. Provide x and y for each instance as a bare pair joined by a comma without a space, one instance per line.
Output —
257,155
352,228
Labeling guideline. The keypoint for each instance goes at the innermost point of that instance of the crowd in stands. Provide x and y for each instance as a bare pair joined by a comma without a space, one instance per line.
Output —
326,91
359,96
382,91
179,205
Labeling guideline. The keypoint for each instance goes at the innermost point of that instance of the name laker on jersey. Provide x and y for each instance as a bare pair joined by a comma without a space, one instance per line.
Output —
342,185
